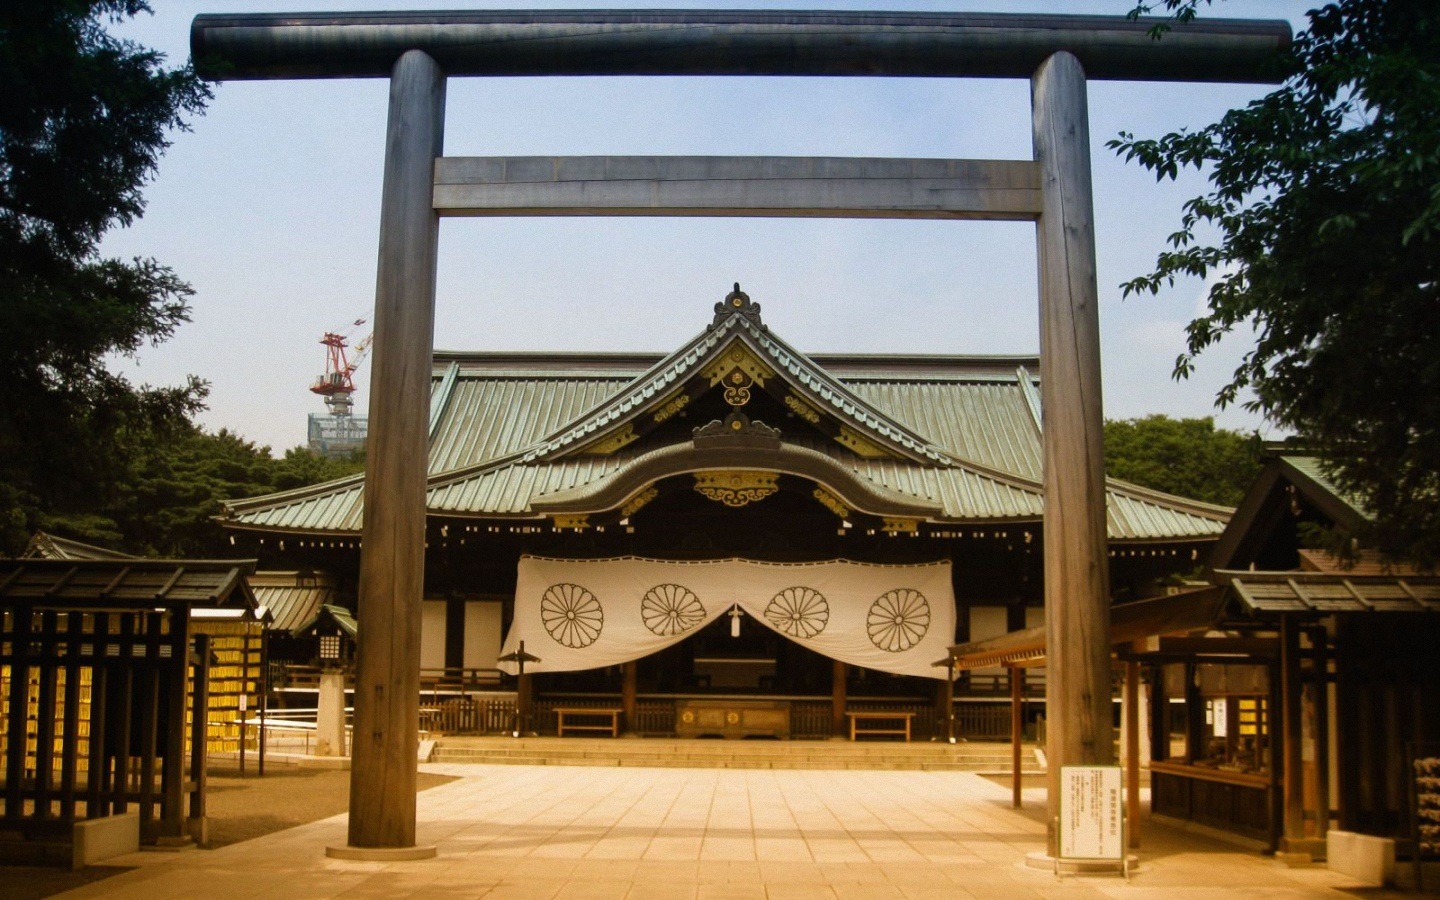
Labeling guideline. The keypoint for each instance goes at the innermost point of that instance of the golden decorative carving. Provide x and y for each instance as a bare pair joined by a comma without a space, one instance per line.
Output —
638,501
900,526
579,522
737,357
614,441
737,388
849,437
831,502
672,405
802,409
736,488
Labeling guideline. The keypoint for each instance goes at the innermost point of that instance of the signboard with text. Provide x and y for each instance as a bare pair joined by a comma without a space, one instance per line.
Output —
1091,810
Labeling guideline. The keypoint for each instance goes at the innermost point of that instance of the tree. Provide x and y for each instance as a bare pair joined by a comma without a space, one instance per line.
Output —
1187,457
164,500
1321,228
84,118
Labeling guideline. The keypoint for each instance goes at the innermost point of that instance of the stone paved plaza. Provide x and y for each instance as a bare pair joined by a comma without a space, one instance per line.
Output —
711,834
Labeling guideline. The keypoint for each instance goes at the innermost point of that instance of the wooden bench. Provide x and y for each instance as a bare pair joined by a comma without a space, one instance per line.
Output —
880,723
613,726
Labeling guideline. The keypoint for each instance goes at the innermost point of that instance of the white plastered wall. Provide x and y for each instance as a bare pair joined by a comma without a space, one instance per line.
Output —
432,634
482,633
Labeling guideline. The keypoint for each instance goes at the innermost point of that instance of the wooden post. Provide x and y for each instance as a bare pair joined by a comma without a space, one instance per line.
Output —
945,701
199,740
1159,721
837,699
392,560
45,723
1292,783
122,706
262,690
524,704
1017,733
1194,715
629,672
1077,622
1319,638
1276,797
1132,749
244,696
99,761
17,726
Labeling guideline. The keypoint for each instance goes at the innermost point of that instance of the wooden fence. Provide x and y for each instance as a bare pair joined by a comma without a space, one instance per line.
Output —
95,706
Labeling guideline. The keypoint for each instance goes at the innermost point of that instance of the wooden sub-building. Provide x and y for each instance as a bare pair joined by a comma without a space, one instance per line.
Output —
1288,698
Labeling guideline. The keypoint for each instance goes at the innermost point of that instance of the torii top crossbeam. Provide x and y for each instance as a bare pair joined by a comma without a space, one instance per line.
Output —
742,42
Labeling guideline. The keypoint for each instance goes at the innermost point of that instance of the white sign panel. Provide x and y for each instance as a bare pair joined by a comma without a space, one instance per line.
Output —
1090,813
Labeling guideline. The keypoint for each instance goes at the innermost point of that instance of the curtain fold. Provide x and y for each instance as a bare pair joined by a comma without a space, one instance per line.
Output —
588,614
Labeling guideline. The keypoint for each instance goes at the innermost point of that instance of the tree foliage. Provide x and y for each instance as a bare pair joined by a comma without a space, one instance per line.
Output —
164,501
1187,457
84,118
1320,227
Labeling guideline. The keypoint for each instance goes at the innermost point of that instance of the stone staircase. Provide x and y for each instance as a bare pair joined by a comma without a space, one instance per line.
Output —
990,758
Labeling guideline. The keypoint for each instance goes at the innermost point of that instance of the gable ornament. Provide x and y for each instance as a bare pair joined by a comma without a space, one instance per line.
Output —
736,488
737,302
736,430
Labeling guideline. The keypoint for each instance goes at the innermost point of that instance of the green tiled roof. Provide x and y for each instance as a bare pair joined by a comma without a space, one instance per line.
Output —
961,435
1310,467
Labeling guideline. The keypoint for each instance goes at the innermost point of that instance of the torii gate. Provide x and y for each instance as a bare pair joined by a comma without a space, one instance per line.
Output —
418,50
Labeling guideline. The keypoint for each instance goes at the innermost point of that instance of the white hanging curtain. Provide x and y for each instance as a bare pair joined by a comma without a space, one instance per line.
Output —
592,613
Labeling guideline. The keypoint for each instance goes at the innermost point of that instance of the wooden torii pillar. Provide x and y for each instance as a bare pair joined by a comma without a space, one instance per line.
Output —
416,51
1077,580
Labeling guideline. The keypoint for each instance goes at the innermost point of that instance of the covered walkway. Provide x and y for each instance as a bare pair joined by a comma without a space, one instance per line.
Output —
612,833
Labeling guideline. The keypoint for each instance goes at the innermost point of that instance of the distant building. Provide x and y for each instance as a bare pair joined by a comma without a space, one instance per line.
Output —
336,436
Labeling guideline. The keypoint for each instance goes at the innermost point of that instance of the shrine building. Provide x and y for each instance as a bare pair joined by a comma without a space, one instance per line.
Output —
734,519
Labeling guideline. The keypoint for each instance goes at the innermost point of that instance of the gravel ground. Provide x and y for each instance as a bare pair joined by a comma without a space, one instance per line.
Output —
239,808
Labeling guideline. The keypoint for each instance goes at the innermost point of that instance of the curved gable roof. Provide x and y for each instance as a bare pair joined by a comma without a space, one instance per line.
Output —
739,325
534,435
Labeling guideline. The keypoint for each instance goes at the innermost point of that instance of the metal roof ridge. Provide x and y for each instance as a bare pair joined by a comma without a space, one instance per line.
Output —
1032,398
1185,504
921,445
1320,481
440,399
281,498
625,400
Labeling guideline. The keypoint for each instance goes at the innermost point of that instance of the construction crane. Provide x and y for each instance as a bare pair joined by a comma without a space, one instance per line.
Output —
337,385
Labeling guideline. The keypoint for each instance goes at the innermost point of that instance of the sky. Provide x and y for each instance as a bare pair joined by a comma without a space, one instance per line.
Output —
269,207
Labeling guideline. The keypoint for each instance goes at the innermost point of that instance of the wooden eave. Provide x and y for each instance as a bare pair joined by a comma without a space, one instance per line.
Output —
1316,594
1129,622
126,583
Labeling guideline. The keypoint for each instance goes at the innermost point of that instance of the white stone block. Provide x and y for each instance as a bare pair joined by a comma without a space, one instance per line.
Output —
100,839
1363,857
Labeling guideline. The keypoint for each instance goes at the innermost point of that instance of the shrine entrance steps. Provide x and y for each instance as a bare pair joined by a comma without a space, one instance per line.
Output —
992,758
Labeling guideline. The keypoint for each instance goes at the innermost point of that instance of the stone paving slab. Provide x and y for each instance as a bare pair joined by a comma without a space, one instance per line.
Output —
537,833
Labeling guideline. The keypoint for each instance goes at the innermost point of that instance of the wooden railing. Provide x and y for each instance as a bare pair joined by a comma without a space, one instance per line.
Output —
983,722
469,715
438,682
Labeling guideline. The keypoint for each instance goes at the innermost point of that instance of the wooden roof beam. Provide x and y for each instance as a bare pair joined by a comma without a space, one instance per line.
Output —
731,42
765,186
